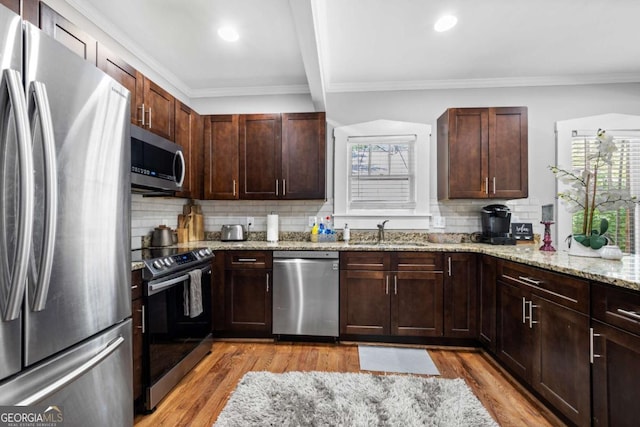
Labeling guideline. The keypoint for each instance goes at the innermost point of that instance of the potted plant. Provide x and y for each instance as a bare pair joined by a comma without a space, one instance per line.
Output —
589,193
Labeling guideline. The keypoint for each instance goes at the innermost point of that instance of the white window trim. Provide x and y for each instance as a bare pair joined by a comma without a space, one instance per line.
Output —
564,136
399,219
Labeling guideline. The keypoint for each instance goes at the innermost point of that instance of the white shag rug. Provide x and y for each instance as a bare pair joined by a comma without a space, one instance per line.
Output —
351,399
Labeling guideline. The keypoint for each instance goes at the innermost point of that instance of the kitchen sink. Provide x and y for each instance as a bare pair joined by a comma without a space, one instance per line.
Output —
388,244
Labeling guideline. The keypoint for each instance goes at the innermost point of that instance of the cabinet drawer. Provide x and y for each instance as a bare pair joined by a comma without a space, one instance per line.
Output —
136,284
248,259
417,261
369,261
565,290
617,307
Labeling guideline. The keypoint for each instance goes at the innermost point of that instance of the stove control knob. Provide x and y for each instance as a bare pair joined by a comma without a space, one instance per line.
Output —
158,264
201,252
207,251
168,261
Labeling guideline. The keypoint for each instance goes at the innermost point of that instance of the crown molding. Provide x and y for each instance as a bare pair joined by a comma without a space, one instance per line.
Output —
569,80
249,91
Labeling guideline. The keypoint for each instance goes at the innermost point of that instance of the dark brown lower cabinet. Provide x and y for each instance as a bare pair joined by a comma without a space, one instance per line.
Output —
391,294
247,292
487,299
543,335
616,375
460,295
136,344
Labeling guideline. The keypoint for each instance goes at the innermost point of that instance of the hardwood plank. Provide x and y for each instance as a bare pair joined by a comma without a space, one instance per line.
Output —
203,393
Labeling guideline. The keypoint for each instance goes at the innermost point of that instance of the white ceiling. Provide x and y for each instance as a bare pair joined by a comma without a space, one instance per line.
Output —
319,46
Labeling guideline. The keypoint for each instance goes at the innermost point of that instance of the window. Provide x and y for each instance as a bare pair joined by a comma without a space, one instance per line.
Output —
382,172
620,175
573,141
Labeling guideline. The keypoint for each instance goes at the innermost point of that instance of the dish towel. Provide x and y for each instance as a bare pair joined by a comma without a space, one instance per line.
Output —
193,294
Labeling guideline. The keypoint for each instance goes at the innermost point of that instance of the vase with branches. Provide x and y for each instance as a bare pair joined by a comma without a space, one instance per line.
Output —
587,193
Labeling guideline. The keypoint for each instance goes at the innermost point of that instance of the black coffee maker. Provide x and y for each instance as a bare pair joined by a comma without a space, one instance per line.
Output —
496,225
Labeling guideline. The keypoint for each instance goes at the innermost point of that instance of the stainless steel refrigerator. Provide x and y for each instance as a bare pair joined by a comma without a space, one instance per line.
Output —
65,309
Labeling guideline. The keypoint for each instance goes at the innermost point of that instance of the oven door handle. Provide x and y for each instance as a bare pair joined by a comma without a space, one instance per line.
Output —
156,286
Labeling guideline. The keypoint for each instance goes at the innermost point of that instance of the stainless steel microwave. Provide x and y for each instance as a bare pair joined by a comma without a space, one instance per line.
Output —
157,164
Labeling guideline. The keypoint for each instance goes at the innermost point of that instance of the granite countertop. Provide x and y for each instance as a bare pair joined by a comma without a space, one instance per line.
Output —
624,273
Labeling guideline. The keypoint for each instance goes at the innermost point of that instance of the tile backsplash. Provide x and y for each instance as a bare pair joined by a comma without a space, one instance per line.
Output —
461,216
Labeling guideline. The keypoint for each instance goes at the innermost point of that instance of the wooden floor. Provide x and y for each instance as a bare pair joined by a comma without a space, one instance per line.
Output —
203,393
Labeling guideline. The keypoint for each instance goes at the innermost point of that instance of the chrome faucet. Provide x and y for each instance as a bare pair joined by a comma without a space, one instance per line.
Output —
381,231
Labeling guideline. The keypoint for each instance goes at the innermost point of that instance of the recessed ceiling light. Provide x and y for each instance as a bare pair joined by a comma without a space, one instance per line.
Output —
228,34
445,23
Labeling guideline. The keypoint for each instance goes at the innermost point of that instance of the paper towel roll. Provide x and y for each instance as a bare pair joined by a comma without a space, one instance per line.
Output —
272,228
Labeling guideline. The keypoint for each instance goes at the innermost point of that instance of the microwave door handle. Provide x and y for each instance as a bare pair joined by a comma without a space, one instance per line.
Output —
179,156
12,96
42,109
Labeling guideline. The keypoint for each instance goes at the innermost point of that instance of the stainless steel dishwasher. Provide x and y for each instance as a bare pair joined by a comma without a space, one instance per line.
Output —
306,293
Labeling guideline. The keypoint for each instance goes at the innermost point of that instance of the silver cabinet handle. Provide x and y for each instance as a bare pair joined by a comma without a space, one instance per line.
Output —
144,325
267,282
395,284
386,291
234,187
494,185
592,355
247,260
531,321
524,310
12,96
631,314
277,187
73,375
531,281
41,109
149,124
141,120
486,185
449,266
134,287
284,187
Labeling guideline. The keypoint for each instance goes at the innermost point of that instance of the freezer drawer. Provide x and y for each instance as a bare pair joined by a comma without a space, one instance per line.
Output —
91,382
306,295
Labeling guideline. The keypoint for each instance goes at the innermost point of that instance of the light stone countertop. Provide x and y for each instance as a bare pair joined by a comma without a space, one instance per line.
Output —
624,273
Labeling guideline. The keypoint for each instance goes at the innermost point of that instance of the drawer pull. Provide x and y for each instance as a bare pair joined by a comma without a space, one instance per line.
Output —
247,260
530,280
631,314
134,287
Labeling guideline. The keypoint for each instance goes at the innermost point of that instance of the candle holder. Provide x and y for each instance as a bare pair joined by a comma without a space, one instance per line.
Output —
547,247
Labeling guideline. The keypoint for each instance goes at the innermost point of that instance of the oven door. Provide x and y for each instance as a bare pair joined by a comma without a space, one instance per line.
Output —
169,334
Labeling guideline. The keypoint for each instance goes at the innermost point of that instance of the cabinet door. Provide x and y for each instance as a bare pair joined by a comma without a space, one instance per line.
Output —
460,296
189,137
248,301
159,110
303,156
260,143
616,375
221,157
136,345
416,303
68,34
487,322
514,337
466,141
13,5
560,370
508,155
364,302
126,75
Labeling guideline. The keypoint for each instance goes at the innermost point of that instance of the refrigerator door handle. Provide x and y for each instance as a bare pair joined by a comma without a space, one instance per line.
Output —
42,110
12,94
73,375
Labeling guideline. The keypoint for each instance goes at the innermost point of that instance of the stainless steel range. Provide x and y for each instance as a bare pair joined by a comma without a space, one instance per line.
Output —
175,338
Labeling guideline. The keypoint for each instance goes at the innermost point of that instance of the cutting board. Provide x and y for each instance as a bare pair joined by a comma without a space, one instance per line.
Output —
194,223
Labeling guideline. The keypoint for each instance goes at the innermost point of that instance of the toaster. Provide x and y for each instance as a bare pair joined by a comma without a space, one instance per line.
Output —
233,232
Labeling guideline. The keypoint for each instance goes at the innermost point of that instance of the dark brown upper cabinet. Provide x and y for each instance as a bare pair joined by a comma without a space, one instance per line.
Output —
282,156
482,153
221,157
62,30
125,74
28,9
189,136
